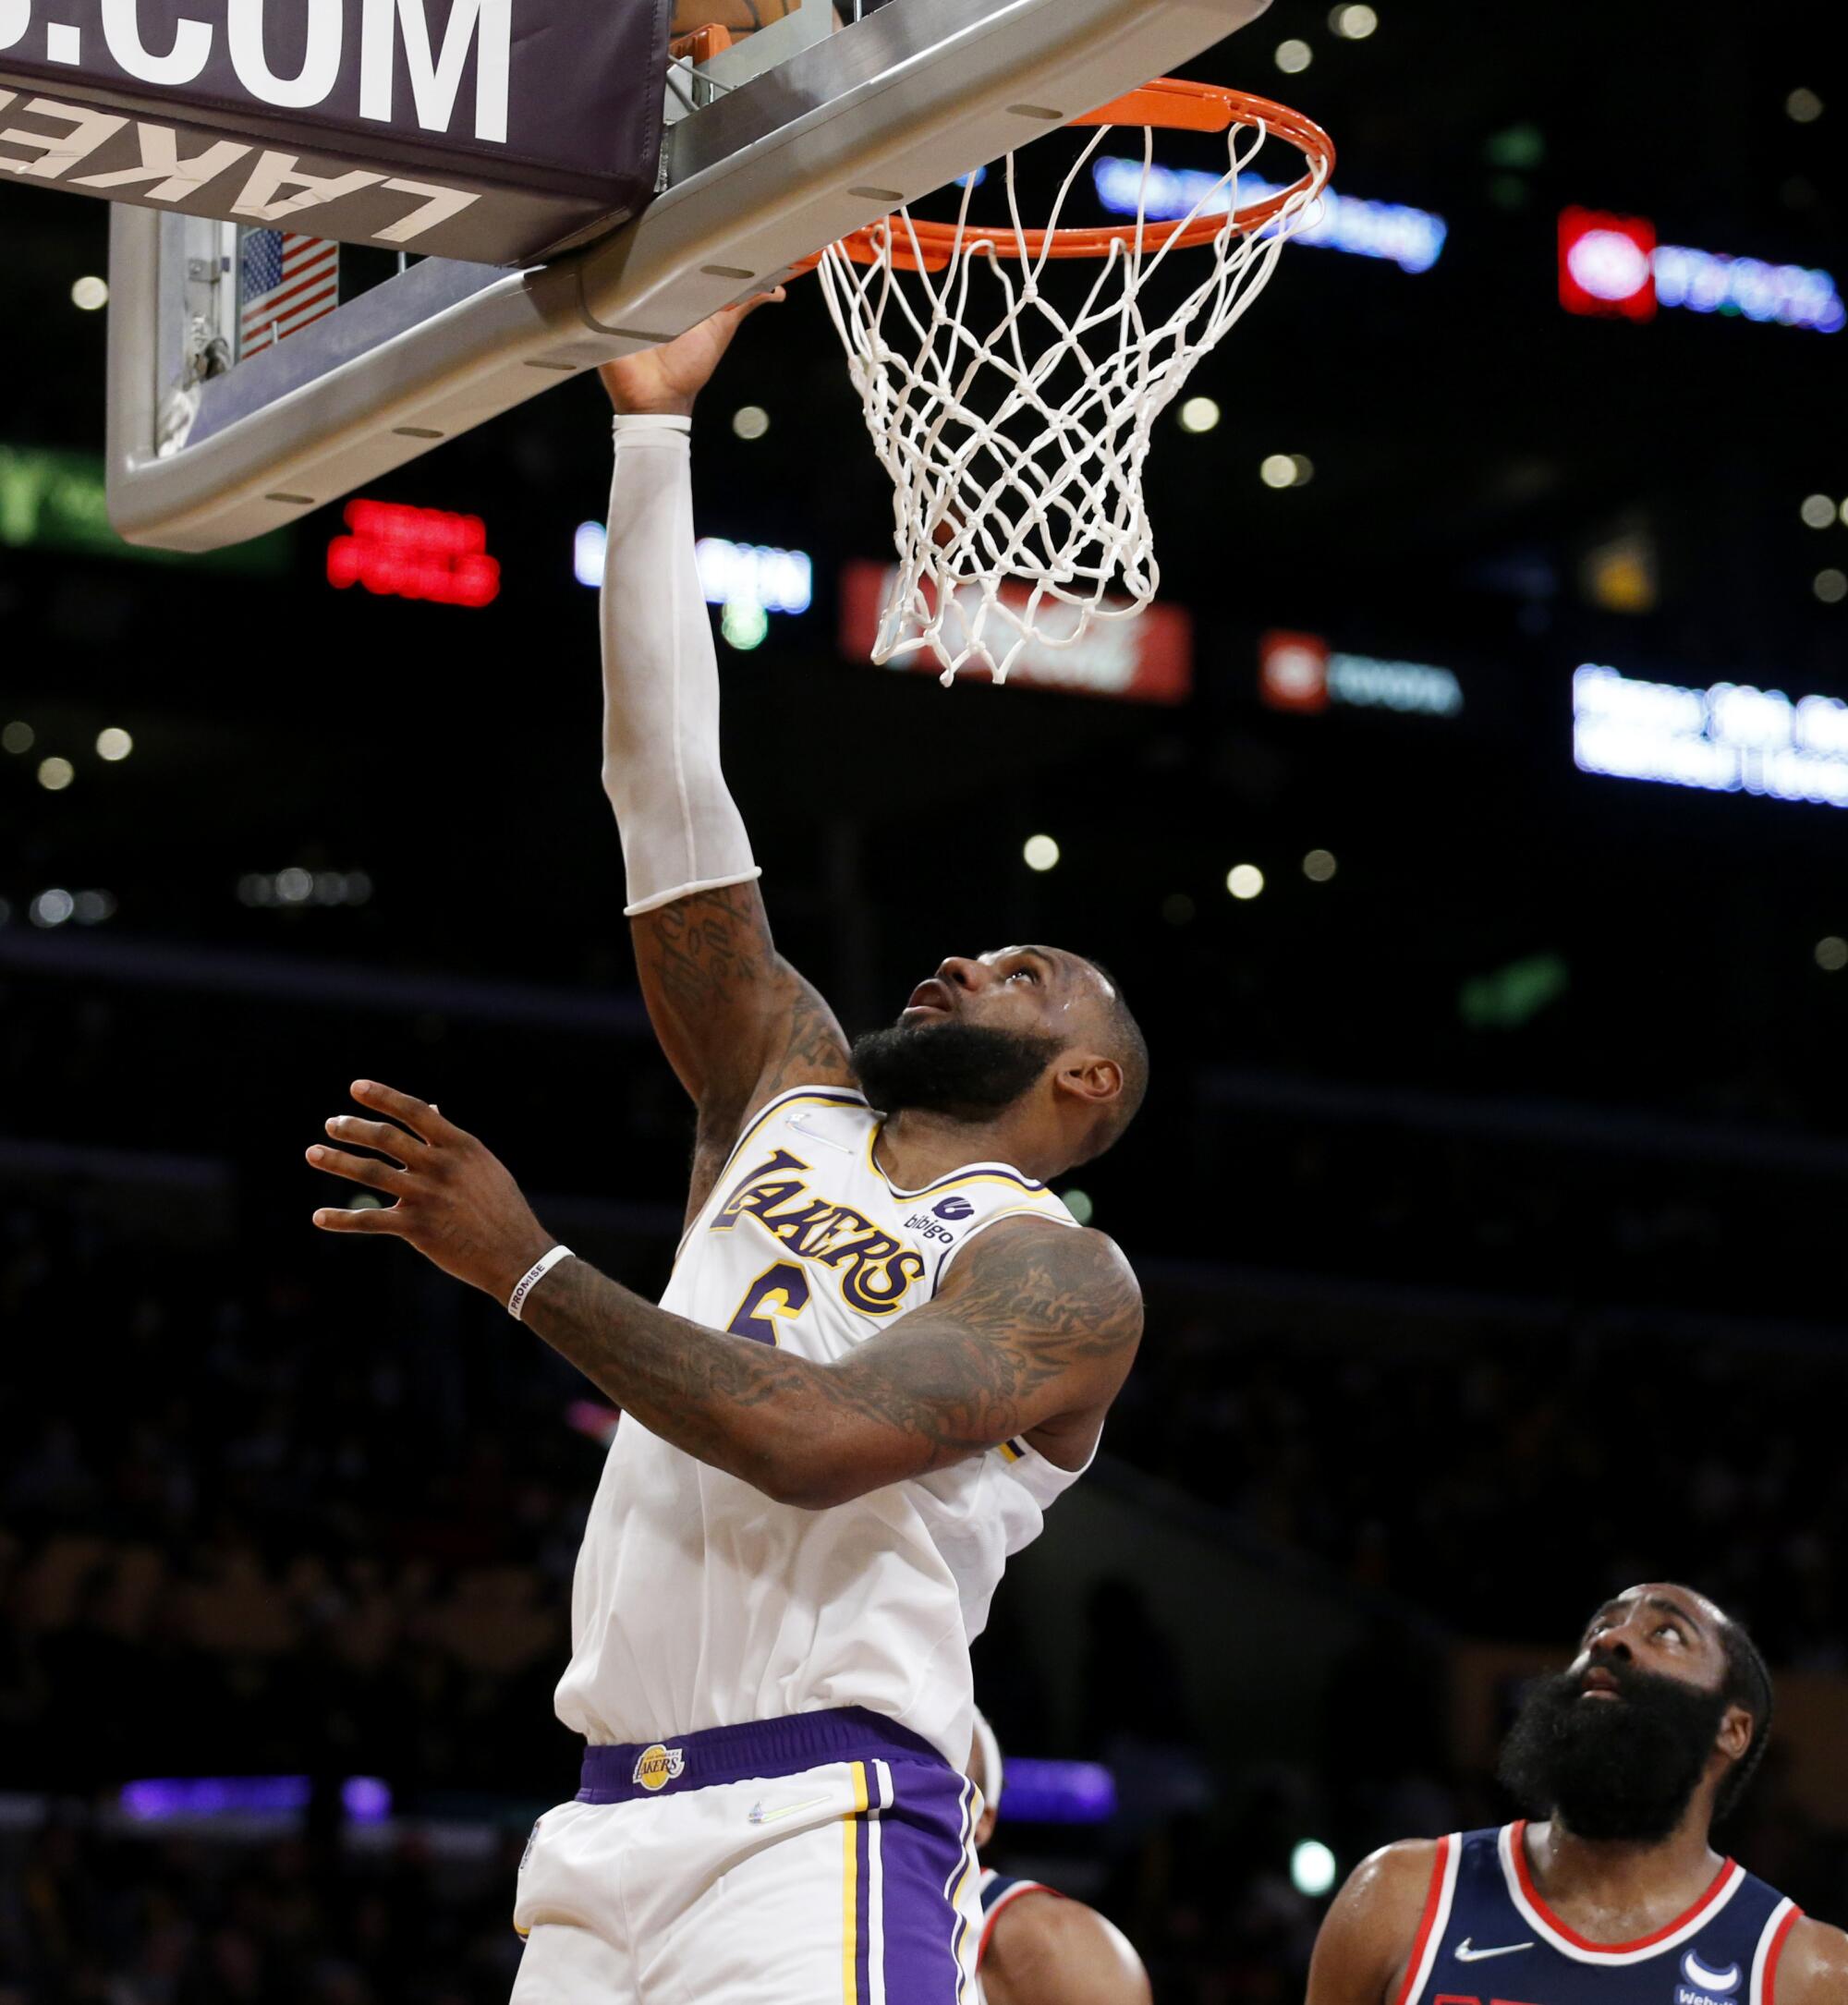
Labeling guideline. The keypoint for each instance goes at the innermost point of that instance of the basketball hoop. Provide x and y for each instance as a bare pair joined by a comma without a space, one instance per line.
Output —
1016,454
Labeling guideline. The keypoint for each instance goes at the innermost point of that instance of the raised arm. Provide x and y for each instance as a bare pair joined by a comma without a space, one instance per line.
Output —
737,1022
1032,1332
1367,1934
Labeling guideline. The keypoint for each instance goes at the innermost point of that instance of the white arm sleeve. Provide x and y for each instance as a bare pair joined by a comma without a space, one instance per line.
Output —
681,829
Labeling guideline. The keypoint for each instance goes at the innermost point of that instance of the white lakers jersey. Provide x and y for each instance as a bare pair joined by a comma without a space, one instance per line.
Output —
698,1602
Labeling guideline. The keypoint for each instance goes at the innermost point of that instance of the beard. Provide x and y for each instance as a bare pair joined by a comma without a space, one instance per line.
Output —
950,1068
1622,1769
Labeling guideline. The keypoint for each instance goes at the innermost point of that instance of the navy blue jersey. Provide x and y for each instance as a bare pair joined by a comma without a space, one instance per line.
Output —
999,1891
1487,1938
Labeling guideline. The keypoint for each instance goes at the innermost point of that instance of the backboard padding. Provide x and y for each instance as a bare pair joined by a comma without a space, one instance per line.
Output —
890,108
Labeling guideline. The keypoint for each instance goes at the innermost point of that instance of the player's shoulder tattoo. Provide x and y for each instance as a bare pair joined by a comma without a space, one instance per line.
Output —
1070,1293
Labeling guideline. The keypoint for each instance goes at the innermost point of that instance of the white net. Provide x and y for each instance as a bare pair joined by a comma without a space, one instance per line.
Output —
1015,429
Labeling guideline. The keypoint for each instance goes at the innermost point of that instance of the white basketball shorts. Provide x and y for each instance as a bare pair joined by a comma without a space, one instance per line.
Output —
823,1859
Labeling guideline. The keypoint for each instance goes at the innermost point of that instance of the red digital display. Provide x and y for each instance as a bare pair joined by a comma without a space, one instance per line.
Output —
1607,264
403,552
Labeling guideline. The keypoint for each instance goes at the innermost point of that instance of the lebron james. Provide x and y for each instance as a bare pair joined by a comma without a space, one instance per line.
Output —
886,1348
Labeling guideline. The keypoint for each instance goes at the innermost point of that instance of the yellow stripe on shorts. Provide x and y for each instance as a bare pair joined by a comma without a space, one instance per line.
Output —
850,1895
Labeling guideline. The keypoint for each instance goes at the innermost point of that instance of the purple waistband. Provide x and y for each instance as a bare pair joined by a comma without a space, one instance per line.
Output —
759,1750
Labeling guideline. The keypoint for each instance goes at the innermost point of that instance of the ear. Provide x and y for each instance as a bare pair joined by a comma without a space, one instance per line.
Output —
1737,1731
1086,1076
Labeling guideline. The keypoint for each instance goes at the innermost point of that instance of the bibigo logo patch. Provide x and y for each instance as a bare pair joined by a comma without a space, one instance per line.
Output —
656,1767
955,1208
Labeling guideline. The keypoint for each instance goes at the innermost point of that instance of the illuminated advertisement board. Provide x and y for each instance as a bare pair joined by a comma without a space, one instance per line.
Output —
1146,658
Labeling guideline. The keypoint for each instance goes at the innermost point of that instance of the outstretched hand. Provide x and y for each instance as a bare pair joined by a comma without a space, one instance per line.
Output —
456,1202
664,381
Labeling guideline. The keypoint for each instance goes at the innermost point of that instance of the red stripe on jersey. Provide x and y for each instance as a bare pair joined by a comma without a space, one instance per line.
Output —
1776,1951
1518,1848
1007,1901
1427,1921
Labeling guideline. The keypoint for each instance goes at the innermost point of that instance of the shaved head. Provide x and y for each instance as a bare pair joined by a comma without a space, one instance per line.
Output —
1119,1037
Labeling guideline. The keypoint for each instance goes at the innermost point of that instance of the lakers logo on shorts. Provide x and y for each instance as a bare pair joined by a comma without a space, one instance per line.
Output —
656,1767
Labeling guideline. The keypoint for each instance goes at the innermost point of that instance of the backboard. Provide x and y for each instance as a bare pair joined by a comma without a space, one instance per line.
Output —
794,139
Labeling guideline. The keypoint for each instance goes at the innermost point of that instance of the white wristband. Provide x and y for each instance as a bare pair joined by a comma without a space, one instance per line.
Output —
531,1279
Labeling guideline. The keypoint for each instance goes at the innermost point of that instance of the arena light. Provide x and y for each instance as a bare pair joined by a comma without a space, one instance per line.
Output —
1244,882
1319,866
424,554
1728,738
1312,1869
778,580
55,774
1411,239
750,423
365,1798
587,550
1832,954
1789,294
1042,1792
1818,512
1040,853
730,573
298,887
1613,266
90,293
1301,672
1199,414
114,744
1606,264
744,625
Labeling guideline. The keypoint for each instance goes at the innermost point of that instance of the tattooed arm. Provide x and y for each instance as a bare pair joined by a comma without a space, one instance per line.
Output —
1032,1332
735,1020
737,1023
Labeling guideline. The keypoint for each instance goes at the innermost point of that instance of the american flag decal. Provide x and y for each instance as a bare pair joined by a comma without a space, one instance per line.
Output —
284,283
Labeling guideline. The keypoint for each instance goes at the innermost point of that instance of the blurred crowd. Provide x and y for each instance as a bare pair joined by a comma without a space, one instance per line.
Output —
1505,1482
274,1520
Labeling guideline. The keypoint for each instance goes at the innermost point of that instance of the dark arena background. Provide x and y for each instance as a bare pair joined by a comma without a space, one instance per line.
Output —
1488,1199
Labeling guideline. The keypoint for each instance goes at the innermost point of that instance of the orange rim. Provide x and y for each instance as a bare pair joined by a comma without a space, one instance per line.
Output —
1168,105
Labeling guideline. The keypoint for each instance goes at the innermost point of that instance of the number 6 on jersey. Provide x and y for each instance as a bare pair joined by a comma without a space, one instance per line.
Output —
779,1291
